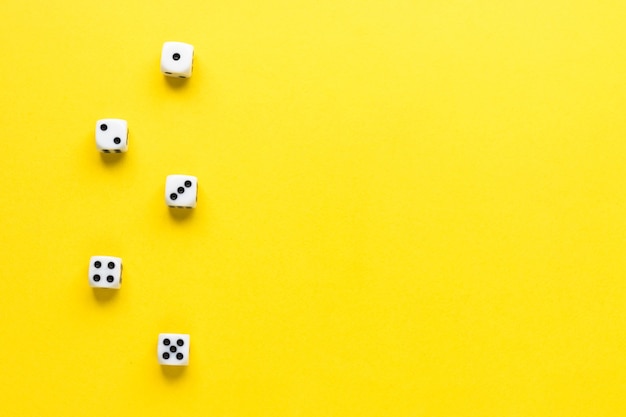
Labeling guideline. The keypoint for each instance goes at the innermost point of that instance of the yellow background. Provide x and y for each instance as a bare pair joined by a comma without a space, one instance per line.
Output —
406,208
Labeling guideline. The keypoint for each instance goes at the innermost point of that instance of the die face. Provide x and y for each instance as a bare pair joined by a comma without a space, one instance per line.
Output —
181,191
112,135
177,59
173,349
105,272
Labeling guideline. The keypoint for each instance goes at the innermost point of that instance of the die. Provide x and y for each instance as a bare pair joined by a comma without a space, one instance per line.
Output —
181,191
112,135
173,349
177,59
105,272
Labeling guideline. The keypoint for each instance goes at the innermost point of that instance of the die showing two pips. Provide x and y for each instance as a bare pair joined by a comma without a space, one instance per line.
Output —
112,135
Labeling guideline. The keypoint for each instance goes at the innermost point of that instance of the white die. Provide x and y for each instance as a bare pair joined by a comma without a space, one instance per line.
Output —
177,59
173,349
105,272
112,135
181,191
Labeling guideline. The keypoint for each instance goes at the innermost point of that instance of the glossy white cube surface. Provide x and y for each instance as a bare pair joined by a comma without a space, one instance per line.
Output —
177,59
112,135
173,349
181,191
105,272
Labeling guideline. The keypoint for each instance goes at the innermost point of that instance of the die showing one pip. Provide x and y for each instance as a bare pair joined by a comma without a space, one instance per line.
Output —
181,191
105,272
177,59
173,349
112,135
